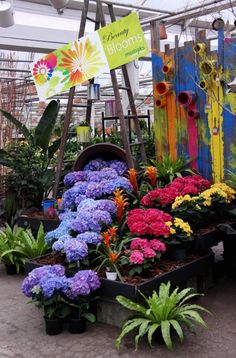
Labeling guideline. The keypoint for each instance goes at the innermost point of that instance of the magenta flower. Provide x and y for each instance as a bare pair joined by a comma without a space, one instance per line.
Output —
136,257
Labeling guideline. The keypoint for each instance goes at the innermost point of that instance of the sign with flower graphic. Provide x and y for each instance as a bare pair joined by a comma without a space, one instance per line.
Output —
112,46
69,66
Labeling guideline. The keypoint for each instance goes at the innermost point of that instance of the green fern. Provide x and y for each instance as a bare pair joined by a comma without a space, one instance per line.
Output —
163,311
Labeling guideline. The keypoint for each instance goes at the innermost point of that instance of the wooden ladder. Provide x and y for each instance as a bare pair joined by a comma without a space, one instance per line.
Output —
100,20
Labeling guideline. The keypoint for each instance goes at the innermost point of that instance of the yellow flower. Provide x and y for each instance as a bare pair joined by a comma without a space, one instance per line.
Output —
172,231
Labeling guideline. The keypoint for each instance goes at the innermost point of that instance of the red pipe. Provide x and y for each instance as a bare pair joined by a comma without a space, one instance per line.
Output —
185,98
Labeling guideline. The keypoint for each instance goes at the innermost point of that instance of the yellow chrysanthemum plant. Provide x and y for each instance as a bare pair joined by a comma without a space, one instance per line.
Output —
180,232
210,204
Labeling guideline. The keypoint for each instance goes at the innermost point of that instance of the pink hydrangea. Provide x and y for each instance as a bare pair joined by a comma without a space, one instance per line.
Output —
149,253
139,244
136,257
157,245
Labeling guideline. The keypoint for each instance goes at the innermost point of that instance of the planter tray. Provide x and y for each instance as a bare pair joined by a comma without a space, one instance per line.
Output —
199,267
34,223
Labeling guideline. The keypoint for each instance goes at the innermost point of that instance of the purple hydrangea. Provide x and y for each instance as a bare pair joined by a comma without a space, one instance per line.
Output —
90,221
94,190
79,199
119,166
74,177
90,237
69,196
35,276
103,174
75,250
67,215
95,164
82,284
104,204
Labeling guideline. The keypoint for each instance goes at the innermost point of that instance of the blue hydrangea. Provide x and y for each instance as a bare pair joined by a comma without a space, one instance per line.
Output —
62,229
79,199
51,284
110,186
108,174
59,244
90,237
69,196
103,204
67,215
75,250
82,284
35,276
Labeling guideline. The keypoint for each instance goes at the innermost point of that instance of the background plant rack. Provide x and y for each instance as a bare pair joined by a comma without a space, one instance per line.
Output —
128,117
100,21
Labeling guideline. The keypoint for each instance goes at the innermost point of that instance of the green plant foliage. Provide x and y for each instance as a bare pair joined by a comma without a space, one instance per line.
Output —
163,311
17,245
168,168
31,162
231,178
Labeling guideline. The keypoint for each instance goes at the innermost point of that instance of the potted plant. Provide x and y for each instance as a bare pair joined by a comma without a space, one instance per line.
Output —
31,161
78,299
45,286
178,241
10,255
161,314
109,252
142,254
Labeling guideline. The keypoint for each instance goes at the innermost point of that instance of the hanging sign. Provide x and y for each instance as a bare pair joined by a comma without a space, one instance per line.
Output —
112,46
123,41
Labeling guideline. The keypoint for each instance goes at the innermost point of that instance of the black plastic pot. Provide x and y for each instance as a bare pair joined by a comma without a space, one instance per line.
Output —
176,252
53,326
77,325
11,269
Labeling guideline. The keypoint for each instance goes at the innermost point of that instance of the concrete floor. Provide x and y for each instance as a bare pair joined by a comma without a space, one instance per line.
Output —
22,330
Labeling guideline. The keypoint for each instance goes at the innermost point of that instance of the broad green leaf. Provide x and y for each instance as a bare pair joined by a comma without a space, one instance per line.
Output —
142,330
53,148
178,329
165,330
45,126
126,302
151,330
195,316
89,316
128,327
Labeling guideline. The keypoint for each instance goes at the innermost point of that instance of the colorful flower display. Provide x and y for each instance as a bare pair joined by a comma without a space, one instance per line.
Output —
151,222
191,185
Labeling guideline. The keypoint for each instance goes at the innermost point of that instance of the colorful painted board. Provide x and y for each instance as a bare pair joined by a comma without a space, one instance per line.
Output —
110,47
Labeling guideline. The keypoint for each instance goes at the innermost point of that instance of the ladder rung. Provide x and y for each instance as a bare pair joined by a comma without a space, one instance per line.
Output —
92,20
81,105
137,143
124,88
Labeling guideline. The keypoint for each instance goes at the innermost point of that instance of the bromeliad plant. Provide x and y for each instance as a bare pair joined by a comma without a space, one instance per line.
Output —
162,312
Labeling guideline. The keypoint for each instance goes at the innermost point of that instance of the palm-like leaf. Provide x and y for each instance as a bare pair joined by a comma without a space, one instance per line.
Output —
164,311
46,125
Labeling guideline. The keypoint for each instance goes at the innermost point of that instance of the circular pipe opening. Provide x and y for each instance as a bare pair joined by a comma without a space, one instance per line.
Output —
191,113
184,98
158,103
197,48
165,69
206,68
161,88
203,84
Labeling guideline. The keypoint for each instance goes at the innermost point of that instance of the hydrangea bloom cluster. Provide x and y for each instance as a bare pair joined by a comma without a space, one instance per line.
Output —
85,213
49,280
151,222
82,284
45,280
99,178
191,185
143,249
